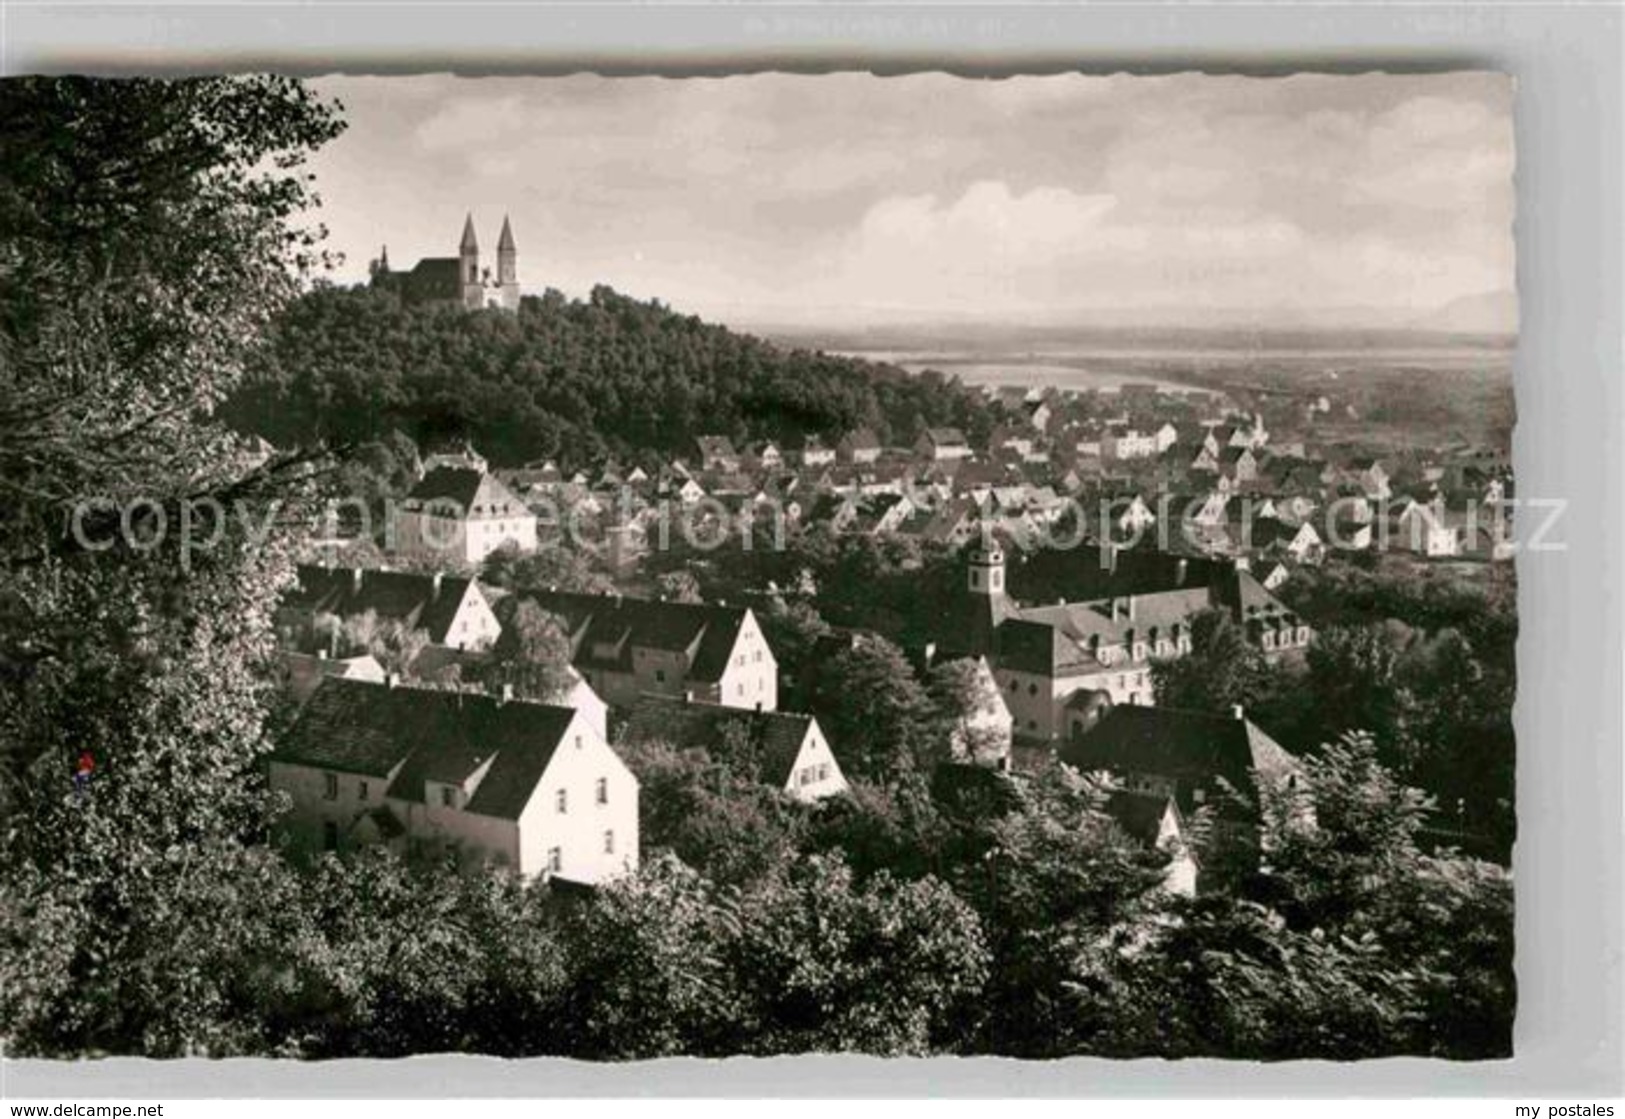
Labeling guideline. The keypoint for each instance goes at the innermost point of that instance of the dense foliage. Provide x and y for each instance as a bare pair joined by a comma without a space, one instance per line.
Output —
566,380
931,910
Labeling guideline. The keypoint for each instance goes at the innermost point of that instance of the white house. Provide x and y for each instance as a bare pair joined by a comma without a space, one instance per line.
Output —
1424,529
940,444
500,783
1154,820
626,648
451,610
785,750
463,515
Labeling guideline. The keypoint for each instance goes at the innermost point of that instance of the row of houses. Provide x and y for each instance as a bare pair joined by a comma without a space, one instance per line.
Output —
500,782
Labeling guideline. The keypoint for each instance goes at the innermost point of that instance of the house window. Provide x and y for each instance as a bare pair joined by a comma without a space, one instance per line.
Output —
603,790
561,801
361,790
1032,689
330,786
555,860
330,836
1303,635
660,675
578,742
609,841
448,796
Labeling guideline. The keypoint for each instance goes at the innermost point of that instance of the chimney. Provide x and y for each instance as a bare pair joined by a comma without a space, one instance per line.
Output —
321,654
434,594
392,679
506,695
1108,556
1238,712
355,580
1180,571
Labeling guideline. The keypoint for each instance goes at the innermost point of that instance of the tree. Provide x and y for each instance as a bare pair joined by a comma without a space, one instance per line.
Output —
647,974
964,694
152,231
1222,670
679,586
556,565
718,819
1353,680
889,968
1346,855
1058,886
873,709
532,655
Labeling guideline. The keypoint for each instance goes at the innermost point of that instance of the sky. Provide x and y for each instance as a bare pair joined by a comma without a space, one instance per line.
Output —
850,200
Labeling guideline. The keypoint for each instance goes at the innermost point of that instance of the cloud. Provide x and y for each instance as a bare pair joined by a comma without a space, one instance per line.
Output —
472,123
1030,195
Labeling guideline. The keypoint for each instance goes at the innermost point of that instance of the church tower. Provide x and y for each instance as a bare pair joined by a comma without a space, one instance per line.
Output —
987,606
986,567
507,268
468,268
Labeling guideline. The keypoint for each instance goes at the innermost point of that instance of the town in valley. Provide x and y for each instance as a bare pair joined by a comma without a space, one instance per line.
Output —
616,682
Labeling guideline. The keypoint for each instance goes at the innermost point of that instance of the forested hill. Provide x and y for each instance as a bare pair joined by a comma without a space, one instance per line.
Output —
564,379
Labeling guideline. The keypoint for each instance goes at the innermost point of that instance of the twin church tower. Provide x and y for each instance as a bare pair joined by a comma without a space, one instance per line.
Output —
457,280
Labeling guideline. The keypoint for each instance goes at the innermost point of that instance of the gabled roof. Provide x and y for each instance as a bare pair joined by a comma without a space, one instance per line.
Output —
1189,747
472,492
1140,814
945,436
604,629
423,735
416,600
776,736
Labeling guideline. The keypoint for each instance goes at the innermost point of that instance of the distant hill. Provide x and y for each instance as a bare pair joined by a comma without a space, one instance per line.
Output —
572,380
1492,312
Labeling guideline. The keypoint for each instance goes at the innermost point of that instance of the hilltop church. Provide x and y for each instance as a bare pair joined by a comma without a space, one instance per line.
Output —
457,281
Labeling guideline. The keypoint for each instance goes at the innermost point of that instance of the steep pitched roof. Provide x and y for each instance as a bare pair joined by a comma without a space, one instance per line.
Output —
416,600
424,735
776,736
946,436
472,492
1139,814
604,629
1192,748
469,241
505,241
